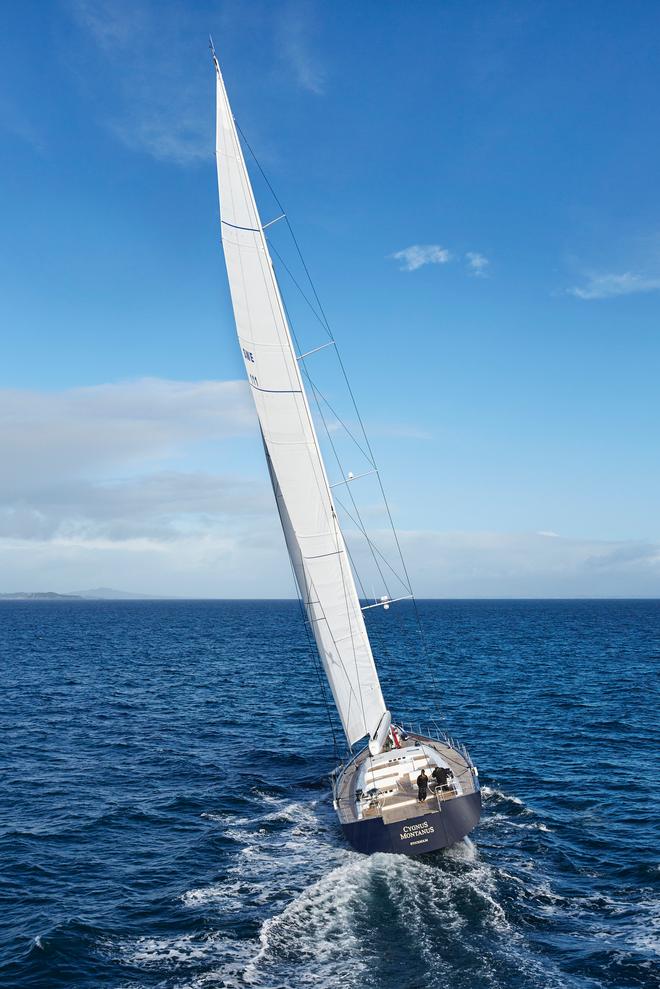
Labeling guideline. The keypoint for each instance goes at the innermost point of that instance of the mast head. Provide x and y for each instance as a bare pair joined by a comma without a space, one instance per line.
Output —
213,55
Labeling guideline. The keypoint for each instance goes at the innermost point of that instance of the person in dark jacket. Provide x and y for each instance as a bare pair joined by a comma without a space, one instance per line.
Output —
442,775
422,786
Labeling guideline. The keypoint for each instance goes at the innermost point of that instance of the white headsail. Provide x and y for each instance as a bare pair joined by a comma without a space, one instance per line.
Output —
313,536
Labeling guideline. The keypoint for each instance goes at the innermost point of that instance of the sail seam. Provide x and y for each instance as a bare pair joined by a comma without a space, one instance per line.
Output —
278,391
235,226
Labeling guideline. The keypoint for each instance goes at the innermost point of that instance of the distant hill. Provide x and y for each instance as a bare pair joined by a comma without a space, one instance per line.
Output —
95,594
112,594
40,596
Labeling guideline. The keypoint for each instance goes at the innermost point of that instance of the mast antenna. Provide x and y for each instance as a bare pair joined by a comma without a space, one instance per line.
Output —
213,54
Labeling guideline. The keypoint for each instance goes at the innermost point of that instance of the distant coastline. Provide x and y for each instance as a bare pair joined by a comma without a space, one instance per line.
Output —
111,594
40,596
94,594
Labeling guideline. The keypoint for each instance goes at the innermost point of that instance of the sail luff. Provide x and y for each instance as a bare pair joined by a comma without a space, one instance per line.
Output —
313,536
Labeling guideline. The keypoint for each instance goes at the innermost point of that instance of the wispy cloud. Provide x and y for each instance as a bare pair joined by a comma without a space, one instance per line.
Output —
417,255
296,27
477,264
150,96
610,285
154,96
112,25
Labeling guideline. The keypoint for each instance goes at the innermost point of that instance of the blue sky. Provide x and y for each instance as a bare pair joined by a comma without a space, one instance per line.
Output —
475,190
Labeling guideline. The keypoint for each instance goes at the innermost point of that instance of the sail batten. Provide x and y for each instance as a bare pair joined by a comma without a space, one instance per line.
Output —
312,533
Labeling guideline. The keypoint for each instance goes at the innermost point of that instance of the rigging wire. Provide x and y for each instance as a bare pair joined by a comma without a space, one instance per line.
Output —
323,319
296,283
341,469
360,525
338,535
336,523
332,339
374,627
289,345
346,578
316,660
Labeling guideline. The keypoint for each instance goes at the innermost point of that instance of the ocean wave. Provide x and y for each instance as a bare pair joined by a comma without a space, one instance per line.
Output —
328,908
171,954
316,931
497,818
492,795
145,851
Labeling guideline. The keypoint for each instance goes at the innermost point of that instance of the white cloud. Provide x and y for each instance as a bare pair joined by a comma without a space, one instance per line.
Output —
95,430
484,564
229,563
105,460
477,264
248,559
100,487
417,255
163,506
510,564
607,286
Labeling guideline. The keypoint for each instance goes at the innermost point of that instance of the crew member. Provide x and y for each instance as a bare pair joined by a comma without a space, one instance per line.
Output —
442,775
422,786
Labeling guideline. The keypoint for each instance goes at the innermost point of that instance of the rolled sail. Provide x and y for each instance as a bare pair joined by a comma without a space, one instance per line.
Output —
311,529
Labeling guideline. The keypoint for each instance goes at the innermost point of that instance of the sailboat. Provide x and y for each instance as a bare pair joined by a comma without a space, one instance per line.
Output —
375,789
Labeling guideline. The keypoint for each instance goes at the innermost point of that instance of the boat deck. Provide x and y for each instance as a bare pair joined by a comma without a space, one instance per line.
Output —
385,786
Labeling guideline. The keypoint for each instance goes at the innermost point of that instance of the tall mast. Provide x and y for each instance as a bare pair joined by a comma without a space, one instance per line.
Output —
313,535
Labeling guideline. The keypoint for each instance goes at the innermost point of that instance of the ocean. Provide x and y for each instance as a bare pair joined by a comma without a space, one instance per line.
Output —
166,820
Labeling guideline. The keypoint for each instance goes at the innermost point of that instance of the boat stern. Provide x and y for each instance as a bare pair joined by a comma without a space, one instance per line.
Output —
377,800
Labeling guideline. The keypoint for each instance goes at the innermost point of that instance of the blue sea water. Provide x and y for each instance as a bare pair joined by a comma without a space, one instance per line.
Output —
165,819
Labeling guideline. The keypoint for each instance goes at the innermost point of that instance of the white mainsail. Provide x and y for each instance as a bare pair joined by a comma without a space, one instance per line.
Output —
311,528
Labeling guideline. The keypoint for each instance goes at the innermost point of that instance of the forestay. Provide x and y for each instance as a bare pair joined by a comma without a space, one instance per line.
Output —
313,536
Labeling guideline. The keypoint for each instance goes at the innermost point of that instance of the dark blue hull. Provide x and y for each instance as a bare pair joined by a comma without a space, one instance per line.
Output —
427,833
